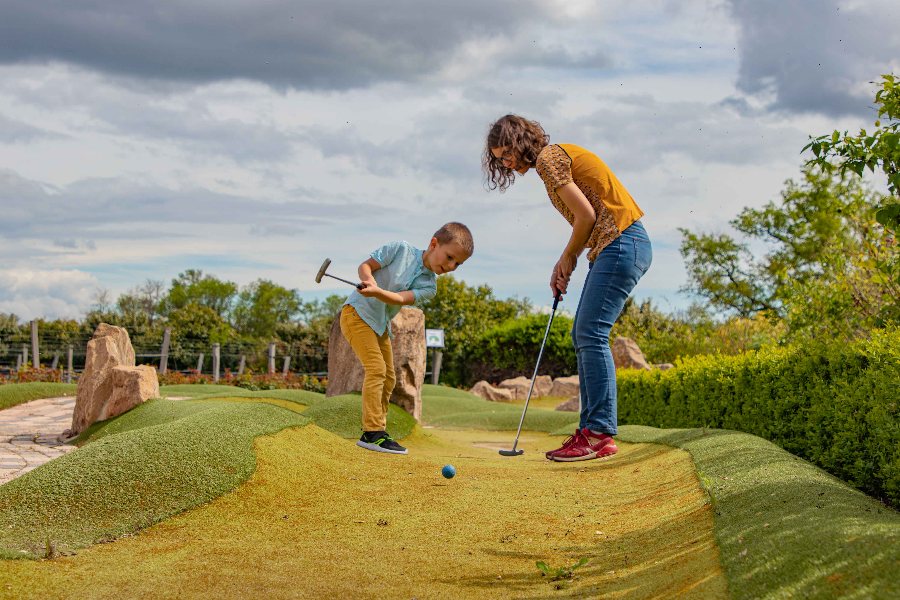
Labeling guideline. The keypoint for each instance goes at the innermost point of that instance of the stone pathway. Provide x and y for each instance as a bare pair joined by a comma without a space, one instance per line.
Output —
28,434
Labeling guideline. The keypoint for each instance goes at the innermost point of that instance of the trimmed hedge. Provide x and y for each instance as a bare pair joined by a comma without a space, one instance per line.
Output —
837,406
511,349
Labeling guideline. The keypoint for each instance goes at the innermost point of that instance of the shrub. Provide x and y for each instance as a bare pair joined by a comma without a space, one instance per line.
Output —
834,405
249,381
511,349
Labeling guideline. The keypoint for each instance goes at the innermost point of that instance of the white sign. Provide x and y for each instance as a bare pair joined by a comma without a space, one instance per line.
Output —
434,338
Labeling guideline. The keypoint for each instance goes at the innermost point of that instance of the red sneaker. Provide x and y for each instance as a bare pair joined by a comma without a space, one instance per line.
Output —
570,441
586,446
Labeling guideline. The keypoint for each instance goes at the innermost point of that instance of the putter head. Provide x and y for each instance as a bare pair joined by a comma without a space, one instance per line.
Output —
322,270
511,452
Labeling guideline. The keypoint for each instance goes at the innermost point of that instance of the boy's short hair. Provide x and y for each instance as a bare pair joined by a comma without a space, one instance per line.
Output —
456,232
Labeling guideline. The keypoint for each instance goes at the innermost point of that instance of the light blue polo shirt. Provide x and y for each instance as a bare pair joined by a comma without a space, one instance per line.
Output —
401,269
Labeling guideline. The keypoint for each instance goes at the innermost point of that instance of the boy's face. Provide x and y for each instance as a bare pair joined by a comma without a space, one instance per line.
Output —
446,257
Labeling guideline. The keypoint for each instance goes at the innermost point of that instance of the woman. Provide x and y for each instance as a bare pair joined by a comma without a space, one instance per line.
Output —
604,219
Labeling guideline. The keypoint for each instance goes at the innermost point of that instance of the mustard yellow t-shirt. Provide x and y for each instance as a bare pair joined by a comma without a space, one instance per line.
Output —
562,164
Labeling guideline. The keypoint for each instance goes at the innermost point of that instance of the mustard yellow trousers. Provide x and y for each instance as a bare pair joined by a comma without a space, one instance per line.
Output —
377,358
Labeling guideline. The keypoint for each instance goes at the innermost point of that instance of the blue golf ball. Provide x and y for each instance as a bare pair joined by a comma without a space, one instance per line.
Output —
448,471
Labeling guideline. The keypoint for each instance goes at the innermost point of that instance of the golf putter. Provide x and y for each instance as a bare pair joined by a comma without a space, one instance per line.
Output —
515,452
322,273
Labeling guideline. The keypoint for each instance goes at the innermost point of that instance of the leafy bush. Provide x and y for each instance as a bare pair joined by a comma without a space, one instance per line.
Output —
31,375
834,405
249,381
511,349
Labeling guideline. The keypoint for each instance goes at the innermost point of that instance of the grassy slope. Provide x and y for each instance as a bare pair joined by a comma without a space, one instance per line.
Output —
17,393
785,528
125,482
305,524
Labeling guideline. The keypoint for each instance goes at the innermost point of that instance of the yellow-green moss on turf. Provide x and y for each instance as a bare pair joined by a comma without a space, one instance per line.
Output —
168,458
785,528
12,394
322,518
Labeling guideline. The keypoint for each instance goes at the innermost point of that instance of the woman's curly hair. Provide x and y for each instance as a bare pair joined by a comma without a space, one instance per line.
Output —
524,139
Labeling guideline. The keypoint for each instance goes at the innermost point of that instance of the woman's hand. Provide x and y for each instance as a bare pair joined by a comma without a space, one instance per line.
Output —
559,282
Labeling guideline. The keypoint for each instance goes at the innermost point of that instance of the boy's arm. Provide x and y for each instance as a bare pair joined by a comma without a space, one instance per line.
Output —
371,290
365,271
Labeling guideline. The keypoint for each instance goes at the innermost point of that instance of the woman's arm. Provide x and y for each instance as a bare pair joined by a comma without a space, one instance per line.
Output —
585,218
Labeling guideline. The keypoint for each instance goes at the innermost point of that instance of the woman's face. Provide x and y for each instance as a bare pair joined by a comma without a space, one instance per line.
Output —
508,159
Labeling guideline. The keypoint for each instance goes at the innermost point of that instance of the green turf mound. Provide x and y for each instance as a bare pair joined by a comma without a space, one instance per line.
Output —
785,528
461,410
230,391
151,469
342,416
17,393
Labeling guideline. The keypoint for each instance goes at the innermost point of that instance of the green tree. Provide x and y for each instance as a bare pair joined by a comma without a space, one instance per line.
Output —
464,313
815,218
879,150
262,305
198,323
205,290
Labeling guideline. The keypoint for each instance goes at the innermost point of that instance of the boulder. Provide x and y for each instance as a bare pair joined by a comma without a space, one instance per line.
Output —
491,393
627,355
131,386
121,340
565,386
346,373
519,386
664,366
573,404
109,348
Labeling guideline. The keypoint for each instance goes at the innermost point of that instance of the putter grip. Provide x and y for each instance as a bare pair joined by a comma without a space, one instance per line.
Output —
556,301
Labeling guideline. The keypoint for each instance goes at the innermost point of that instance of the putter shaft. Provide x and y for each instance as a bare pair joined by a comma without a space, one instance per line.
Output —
533,379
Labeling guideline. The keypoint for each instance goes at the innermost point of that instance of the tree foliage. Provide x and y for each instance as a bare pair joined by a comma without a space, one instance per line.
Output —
817,235
465,312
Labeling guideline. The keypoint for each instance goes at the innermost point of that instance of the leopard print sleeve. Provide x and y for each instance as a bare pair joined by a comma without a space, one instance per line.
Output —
555,167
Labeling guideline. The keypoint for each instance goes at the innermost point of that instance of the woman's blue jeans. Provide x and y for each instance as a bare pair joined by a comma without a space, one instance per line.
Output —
610,279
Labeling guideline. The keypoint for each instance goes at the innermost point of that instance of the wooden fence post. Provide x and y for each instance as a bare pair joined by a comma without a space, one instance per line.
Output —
35,353
287,366
24,356
164,351
69,372
271,358
436,357
200,364
243,363
55,361
216,349
18,362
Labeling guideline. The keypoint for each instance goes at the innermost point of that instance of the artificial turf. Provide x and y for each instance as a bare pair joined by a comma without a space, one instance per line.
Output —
784,527
127,481
322,518
12,394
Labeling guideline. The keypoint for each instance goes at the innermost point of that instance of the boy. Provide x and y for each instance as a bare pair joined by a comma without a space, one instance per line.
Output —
395,275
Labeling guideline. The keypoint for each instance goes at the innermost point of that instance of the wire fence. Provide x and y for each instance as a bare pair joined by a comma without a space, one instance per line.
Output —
185,354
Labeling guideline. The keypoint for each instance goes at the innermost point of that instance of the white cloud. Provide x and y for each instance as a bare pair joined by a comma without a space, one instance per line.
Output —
51,294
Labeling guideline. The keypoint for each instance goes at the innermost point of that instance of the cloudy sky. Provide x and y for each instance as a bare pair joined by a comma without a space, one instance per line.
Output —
255,139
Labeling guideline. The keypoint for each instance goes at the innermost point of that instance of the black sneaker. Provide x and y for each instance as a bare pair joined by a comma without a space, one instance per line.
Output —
380,441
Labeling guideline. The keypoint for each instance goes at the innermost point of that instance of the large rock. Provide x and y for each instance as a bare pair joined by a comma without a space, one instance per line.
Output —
491,393
131,386
627,355
110,348
519,386
346,373
565,386
572,404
